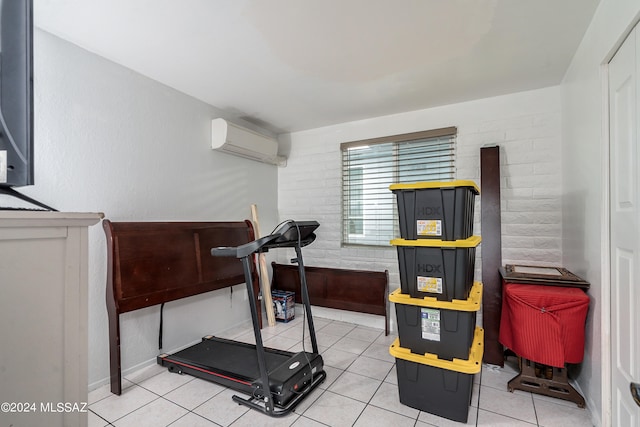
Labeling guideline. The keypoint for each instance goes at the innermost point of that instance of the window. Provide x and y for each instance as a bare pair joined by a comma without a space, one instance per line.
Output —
369,167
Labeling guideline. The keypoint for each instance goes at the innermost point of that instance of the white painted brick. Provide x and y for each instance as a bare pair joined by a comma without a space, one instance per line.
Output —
517,157
546,168
518,146
542,131
509,217
536,156
469,174
510,123
547,119
551,217
517,170
531,230
516,193
528,131
531,206
532,181
550,192
481,138
547,243
549,144
513,242
470,160
532,256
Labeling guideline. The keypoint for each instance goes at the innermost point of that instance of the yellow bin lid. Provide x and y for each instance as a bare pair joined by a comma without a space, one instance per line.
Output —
470,304
471,242
473,365
435,184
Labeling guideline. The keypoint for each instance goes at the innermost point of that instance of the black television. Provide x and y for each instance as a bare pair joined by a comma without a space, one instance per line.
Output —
16,93
16,97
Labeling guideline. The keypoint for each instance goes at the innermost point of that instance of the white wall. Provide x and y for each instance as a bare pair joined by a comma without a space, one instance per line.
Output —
525,125
584,199
109,140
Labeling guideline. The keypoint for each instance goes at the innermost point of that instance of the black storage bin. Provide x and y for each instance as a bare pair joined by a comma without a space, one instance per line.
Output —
436,210
445,329
435,386
435,268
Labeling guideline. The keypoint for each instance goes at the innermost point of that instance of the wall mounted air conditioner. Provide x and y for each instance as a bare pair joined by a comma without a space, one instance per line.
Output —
233,139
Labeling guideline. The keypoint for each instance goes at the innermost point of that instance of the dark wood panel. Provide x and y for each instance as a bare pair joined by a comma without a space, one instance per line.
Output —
491,253
150,263
154,263
354,290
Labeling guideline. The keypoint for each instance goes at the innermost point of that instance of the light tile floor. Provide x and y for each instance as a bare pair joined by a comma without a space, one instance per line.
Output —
360,390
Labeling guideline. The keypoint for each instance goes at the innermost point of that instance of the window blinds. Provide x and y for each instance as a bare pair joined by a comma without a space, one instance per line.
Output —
369,167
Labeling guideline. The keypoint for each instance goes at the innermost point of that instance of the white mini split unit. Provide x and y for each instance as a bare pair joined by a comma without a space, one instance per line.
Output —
233,139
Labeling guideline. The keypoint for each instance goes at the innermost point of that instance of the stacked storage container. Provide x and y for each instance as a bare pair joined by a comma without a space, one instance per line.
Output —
439,348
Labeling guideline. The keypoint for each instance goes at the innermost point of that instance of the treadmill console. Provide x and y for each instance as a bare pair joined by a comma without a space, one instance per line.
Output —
288,235
293,233
290,229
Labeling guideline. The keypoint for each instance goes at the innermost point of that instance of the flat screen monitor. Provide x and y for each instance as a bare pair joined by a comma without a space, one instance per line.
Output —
16,93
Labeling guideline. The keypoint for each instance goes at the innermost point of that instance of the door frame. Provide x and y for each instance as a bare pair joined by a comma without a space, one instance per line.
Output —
605,239
605,253
605,232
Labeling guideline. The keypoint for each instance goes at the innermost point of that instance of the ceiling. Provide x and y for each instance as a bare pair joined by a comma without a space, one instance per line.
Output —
290,65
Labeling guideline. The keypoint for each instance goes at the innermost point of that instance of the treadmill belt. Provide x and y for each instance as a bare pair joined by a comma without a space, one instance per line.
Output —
237,359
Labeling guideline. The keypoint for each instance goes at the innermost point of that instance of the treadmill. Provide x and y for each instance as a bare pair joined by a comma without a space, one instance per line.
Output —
247,367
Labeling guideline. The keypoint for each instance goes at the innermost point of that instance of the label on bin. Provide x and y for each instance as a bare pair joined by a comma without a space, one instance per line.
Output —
429,227
430,324
429,284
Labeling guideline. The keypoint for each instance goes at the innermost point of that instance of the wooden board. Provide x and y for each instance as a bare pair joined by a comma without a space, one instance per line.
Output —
150,263
354,290
491,253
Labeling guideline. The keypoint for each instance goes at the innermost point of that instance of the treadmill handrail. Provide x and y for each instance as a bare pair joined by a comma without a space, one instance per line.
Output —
243,250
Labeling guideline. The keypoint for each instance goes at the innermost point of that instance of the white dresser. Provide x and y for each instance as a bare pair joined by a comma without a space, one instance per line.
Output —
43,317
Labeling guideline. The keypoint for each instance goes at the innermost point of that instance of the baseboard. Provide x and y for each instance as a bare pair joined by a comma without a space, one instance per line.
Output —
362,319
596,416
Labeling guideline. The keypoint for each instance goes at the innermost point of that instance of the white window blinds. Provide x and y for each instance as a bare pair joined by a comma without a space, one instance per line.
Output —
369,167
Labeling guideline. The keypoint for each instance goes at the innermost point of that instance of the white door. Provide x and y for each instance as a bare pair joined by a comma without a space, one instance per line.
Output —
625,231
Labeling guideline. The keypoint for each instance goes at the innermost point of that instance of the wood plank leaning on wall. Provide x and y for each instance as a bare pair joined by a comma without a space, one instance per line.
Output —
265,284
491,253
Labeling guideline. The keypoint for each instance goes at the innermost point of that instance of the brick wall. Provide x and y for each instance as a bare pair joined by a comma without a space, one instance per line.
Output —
526,126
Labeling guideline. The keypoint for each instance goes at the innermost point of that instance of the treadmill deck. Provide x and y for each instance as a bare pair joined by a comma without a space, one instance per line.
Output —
235,364
230,357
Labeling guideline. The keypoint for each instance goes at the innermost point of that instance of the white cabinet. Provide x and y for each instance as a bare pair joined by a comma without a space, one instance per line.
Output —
43,317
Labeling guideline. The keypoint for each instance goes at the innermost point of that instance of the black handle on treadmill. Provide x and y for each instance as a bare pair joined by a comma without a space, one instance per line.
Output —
244,250
635,392
222,251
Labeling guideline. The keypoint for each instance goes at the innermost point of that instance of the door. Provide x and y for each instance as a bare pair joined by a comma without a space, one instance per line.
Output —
625,231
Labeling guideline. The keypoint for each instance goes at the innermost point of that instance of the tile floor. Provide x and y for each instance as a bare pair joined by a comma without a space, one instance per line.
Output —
360,390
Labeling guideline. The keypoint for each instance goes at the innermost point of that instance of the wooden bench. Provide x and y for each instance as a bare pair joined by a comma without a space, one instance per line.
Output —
354,290
150,263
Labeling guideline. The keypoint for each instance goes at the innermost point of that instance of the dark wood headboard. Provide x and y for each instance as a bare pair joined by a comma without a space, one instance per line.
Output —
354,290
150,263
